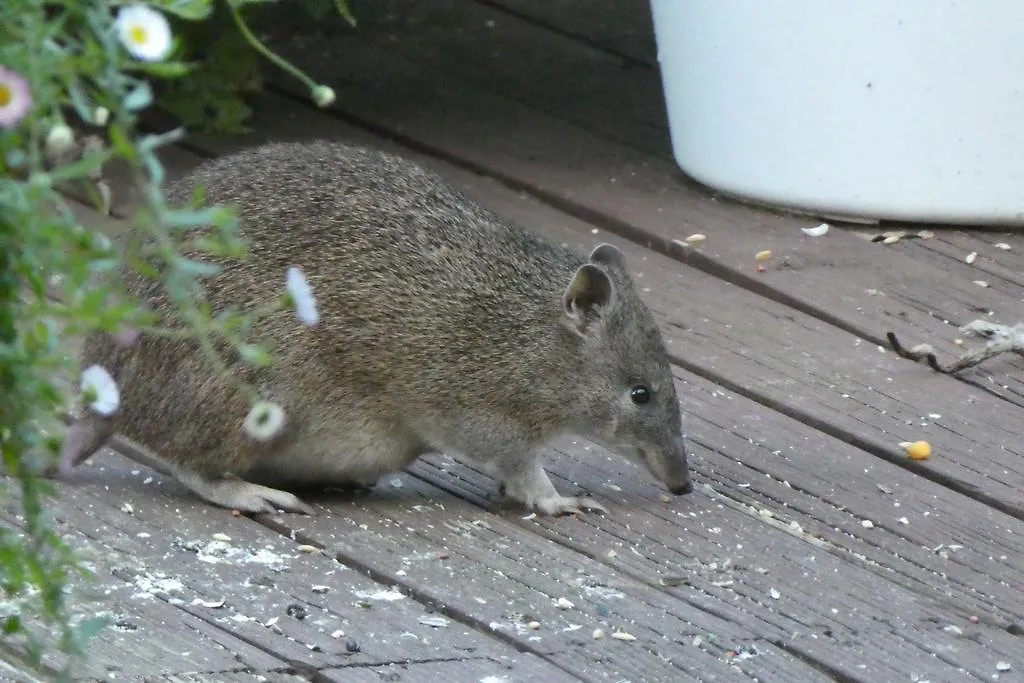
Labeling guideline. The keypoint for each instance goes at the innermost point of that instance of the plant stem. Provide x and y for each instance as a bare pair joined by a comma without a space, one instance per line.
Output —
269,54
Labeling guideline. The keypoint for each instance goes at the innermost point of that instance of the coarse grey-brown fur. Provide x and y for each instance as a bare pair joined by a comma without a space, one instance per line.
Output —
443,328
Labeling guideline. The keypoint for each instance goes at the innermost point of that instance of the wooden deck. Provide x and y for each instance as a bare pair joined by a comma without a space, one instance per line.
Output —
813,548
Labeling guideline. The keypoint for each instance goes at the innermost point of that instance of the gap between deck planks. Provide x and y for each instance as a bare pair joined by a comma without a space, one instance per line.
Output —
429,95
935,574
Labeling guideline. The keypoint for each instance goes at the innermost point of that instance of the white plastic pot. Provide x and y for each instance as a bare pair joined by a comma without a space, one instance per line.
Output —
874,109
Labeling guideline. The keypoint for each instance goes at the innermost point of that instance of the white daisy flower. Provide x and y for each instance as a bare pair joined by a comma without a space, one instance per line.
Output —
15,98
302,296
100,390
264,421
144,31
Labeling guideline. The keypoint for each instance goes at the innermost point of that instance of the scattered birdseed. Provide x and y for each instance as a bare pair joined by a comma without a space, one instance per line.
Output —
816,232
562,603
954,629
320,589
598,634
1003,666
337,634
221,537
127,507
622,635
892,239
696,238
917,450
980,283
775,594
1002,245
867,524
533,625
903,520
212,604
307,548
763,255
435,622
971,257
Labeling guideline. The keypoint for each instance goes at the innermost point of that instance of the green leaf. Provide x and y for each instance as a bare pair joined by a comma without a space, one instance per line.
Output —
189,10
139,98
120,142
195,268
345,11
255,355
173,69
12,624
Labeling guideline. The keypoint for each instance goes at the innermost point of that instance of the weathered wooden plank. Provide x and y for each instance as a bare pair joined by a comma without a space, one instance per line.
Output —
505,578
235,575
594,89
142,630
623,27
525,670
836,278
827,610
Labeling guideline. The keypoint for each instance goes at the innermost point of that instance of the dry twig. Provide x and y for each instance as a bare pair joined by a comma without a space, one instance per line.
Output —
998,338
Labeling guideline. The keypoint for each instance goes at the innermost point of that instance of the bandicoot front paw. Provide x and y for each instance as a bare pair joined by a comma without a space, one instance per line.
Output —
567,505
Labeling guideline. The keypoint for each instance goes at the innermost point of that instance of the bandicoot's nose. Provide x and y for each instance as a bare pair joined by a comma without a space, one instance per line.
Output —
682,489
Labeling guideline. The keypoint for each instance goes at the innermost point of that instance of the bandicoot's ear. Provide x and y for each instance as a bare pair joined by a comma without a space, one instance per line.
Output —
610,256
589,291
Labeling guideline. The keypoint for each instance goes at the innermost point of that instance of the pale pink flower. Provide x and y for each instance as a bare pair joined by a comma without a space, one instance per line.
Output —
15,98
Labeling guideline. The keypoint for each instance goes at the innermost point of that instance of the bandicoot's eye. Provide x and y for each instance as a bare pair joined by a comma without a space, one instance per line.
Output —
640,394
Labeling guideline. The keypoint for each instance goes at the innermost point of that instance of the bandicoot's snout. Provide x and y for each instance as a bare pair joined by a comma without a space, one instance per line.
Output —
671,468
681,489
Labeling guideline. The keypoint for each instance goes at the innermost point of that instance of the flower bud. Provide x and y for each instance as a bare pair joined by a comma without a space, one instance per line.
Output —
323,95
59,140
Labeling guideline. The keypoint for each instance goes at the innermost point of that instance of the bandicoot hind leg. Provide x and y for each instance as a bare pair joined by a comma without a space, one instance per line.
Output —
238,494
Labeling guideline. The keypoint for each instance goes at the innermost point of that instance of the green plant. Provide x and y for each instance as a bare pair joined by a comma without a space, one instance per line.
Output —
66,64
211,98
